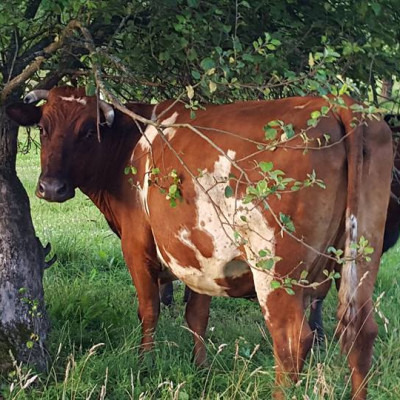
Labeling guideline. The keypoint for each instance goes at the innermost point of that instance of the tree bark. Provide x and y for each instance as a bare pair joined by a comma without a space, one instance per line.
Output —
23,320
387,87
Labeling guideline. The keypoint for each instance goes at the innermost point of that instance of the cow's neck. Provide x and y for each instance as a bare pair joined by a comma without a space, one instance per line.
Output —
106,189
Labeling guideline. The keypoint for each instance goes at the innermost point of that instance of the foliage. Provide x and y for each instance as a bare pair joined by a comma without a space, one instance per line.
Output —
224,49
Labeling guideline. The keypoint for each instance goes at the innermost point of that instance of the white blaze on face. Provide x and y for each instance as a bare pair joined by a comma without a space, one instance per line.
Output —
220,217
79,100
151,132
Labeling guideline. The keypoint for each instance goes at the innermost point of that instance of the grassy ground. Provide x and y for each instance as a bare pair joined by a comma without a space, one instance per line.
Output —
95,332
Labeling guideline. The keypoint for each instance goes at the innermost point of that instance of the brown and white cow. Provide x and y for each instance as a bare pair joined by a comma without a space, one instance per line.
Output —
212,239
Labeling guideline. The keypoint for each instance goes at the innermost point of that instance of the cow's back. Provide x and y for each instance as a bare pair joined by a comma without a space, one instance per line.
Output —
199,238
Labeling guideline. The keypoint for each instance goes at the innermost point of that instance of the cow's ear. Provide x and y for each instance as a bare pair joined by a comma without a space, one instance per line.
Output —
24,114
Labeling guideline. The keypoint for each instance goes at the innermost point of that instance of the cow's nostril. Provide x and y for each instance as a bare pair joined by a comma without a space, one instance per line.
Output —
41,188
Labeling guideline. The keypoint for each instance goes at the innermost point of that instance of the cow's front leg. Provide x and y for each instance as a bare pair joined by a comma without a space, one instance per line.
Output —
197,313
291,334
144,269
149,306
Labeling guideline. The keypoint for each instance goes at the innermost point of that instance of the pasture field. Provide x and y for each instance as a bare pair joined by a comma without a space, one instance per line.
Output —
95,332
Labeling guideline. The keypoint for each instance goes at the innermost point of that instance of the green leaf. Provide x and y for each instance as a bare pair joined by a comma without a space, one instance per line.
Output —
196,74
190,92
287,222
173,189
262,253
172,203
275,284
207,63
303,274
324,110
315,114
266,166
275,122
270,133
248,57
173,174
289,130
290,291
311,61
228,192
212,86
266,264
368,250
376,8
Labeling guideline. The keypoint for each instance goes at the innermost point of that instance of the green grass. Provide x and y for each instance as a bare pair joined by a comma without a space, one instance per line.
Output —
95,332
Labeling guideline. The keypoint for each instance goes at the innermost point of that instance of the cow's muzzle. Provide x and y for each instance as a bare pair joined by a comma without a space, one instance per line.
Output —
53,189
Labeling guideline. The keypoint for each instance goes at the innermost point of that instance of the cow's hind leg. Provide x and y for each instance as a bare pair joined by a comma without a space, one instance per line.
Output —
290,331
315,320
359,348
167,293
197,313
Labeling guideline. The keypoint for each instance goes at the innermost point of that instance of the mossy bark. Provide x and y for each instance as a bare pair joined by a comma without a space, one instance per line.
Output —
23,320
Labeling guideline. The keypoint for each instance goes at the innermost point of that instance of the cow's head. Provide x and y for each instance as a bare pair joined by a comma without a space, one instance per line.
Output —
70,150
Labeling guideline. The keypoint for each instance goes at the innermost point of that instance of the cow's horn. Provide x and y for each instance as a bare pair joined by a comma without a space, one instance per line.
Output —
36,95
108,112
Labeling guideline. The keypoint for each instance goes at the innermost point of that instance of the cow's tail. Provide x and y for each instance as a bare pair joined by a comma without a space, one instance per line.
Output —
347,309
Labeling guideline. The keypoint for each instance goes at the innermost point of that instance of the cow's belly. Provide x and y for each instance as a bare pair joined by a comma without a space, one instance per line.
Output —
212,276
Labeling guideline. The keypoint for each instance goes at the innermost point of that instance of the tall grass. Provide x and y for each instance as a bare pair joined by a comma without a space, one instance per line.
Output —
95,332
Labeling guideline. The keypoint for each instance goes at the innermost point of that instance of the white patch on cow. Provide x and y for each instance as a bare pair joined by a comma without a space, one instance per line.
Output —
144,189
151,132
220,217
154,113
351,249
198,279
80,100
302,105
160,256
353,228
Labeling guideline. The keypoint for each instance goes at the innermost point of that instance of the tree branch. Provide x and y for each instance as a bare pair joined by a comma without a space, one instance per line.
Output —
35,65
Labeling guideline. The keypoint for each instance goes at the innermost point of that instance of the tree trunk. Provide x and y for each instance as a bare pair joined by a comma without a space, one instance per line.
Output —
23,319
387,87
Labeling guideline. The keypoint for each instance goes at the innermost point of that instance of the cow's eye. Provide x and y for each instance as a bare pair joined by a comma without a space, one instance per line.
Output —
90,133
